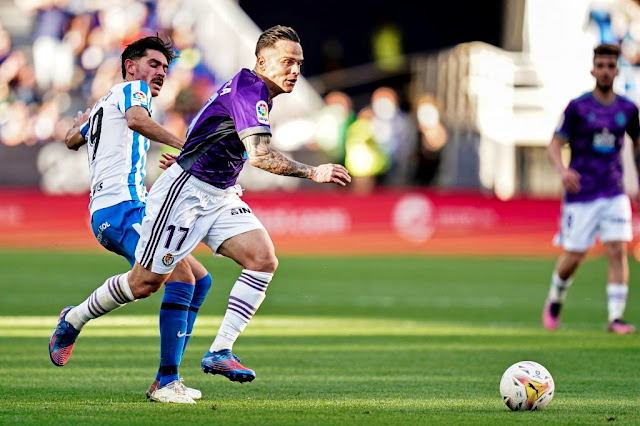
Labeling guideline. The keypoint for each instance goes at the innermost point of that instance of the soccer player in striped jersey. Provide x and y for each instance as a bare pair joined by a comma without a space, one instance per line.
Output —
118,131
197,198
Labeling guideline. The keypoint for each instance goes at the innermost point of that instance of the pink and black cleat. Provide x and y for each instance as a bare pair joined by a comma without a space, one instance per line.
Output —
620,327
551,315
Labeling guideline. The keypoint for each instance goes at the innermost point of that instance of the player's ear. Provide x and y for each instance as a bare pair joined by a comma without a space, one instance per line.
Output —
130,66
261,63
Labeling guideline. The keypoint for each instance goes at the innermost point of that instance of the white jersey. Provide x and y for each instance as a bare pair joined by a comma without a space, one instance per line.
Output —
117,154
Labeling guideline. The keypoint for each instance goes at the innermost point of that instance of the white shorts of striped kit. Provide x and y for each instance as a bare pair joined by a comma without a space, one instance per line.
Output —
181,212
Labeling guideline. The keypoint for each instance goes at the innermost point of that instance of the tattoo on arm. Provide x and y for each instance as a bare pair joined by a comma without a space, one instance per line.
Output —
263,156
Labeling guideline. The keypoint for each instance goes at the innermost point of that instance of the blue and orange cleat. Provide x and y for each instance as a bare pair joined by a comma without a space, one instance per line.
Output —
62,340
225,363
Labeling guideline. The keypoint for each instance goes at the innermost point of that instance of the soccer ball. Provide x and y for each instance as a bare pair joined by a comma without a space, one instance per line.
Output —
527,385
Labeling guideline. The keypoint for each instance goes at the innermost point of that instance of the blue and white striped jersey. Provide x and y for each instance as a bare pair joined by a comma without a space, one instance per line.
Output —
117,154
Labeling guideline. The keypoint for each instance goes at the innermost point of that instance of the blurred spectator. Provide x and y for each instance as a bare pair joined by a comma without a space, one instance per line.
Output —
52,55
74,59
618,22
433,137
386,41
332,55
5,44
76,53
364,158
331,125
395,133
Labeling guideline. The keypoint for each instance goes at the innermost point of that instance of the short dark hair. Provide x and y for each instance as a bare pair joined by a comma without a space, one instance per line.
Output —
269,37
606,49
138,49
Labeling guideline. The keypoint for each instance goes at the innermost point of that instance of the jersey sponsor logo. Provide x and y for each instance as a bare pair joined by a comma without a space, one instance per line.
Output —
168,259
139,97
262,112
240,210
604,142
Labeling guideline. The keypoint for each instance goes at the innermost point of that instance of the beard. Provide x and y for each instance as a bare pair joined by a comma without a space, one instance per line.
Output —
605,88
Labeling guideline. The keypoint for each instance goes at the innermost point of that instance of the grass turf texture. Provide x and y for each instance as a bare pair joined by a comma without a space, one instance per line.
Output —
338,341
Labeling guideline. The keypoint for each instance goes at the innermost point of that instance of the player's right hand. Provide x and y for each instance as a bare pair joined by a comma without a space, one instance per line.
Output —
81,118
571,180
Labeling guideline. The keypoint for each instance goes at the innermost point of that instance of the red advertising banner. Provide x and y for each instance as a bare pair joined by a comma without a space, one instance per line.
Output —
409,222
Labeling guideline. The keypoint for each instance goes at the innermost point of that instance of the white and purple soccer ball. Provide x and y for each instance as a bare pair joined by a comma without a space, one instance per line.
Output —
527,386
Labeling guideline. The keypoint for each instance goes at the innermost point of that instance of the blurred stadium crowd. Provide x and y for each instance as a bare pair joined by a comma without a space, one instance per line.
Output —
73,59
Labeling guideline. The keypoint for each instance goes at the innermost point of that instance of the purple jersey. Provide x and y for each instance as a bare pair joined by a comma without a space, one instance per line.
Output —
595,133
214,152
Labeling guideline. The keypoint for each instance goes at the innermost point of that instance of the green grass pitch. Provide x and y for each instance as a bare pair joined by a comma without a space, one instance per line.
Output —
380,340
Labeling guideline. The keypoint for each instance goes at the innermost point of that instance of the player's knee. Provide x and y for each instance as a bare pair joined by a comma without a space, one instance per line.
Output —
616,251
145,288
183,273
574,258
272,264
267,263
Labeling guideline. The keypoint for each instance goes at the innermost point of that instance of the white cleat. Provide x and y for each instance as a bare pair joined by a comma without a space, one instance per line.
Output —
175,392
193,393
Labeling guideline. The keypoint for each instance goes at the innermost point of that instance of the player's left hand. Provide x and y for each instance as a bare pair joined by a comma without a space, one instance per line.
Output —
167,160
331,173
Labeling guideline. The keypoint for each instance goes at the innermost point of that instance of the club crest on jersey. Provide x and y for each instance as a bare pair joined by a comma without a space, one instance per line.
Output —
139,97
262,112
168,259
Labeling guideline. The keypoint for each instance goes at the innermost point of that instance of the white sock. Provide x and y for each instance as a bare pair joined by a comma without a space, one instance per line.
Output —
616,300
246,297
558,288
115,292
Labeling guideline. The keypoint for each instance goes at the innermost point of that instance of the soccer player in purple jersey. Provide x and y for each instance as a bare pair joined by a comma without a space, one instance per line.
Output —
197,198
595,204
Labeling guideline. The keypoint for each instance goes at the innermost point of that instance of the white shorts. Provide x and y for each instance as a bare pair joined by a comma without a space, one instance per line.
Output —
609,219
182,211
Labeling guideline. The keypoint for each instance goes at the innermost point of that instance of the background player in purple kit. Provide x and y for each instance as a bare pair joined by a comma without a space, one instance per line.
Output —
595,203
197,198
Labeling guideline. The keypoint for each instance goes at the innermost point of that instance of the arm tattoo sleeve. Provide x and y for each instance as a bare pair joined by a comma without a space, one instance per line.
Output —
263,156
